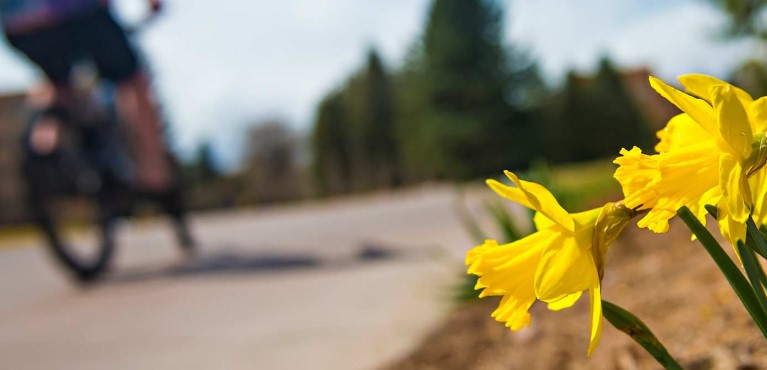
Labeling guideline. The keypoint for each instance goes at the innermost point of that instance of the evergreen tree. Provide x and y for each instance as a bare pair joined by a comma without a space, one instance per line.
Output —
205,162
201,170
356,128
331,147
415,130
355,133
597,117
458,96
383,153
752,77
745,17
623,124
462,106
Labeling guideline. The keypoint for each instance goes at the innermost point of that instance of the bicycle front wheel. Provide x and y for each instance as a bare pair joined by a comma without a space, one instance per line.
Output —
76,221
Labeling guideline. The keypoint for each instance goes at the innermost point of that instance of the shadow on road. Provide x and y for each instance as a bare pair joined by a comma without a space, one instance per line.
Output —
233,260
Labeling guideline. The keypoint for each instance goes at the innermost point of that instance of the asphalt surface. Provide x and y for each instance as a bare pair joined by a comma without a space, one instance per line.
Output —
340,284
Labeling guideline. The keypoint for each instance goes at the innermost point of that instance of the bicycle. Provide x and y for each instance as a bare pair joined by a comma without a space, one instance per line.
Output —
78,191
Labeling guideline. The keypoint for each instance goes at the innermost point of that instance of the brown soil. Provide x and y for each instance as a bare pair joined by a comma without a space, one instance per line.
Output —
667,280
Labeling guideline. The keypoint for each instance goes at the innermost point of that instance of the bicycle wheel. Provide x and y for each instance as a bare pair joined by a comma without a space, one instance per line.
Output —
69,204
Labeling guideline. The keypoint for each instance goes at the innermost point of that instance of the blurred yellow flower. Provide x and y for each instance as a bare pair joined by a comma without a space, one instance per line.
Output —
705,156
555,264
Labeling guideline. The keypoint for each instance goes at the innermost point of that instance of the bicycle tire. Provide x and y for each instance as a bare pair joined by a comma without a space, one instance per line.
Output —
45,186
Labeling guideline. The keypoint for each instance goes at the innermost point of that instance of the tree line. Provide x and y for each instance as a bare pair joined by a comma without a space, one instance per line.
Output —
465,104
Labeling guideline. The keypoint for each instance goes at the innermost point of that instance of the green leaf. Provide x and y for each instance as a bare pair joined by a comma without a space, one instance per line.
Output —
634,327
755,239
711,210
467,220
739,284
464,290
756,244
753,271
505,222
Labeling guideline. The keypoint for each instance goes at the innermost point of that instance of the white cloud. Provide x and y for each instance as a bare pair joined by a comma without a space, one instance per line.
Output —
670,37
683,40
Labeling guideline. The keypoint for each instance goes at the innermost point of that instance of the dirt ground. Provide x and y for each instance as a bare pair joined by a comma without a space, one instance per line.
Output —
667,280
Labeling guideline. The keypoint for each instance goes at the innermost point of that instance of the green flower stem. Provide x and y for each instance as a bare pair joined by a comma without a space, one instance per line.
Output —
757,238
763,230
756,241
753,271
739,283
762,276
634,327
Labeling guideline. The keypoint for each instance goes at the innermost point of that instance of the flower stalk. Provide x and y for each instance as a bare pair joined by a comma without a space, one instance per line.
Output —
739,284
634,327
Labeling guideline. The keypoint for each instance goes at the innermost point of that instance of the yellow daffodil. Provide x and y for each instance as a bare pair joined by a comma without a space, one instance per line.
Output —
555,264
705,156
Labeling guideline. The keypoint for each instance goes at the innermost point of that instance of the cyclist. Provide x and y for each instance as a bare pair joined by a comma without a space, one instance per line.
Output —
54,34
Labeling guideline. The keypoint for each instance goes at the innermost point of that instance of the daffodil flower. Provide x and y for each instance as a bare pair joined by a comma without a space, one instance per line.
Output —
555,264
705,156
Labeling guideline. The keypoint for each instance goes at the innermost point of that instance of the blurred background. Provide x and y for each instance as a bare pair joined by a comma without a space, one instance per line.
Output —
333,154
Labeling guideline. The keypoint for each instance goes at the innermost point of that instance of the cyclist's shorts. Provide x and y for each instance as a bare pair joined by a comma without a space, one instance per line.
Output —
94,36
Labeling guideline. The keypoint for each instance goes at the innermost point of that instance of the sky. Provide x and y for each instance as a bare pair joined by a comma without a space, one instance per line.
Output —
222,68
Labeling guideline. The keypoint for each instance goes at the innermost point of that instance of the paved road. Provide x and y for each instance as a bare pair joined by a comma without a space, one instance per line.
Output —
344,284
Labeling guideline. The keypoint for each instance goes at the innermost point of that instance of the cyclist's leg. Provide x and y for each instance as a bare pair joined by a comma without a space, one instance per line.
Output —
52,49
138,108
117,61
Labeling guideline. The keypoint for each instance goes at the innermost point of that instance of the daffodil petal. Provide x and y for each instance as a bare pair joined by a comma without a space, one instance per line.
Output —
680,131
586,218
596,318
509,270
565,268
535,197
730,229
511,193
542,222
543,201
731,179
700,85
698,109
513,310
566,302
733,120
758,184
698,207
758,114
501,268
